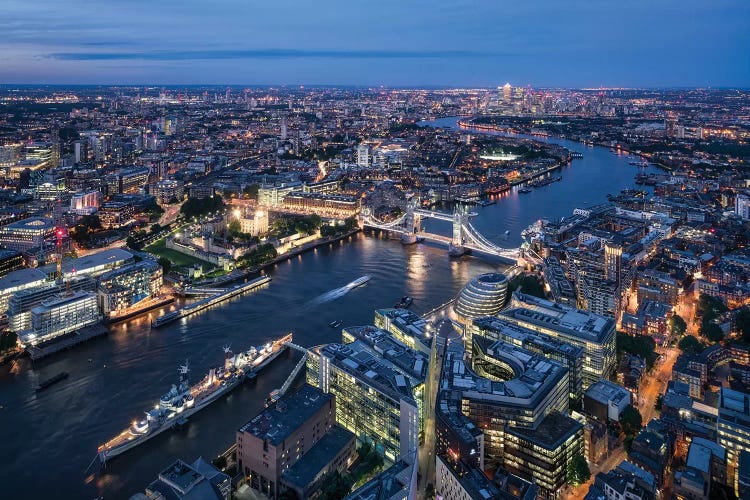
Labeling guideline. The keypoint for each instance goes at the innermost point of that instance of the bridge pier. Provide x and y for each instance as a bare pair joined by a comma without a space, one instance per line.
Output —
408,239
456,250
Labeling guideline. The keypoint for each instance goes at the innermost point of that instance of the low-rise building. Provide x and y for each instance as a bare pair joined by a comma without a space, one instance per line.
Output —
279,436
605,401
183,481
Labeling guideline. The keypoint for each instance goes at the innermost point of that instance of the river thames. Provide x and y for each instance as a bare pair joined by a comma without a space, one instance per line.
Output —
50,438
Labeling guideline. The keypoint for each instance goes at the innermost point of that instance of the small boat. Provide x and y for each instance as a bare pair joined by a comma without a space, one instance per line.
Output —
524,190
52,381
507,232
335,324
404,303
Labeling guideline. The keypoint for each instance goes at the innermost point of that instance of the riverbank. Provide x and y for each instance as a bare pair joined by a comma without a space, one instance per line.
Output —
469,124
280,258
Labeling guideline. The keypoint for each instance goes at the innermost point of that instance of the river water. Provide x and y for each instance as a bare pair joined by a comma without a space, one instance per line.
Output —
49,439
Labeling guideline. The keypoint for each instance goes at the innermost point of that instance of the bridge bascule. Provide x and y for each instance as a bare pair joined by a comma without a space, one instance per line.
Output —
465,237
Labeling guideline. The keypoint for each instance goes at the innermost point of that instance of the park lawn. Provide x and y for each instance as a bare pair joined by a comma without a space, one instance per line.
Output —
159,249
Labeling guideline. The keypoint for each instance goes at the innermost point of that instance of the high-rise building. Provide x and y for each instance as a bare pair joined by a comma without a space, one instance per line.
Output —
733,427
742,206
593,332
363,156
379,387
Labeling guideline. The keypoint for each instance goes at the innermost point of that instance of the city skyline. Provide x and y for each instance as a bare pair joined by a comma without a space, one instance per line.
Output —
483,44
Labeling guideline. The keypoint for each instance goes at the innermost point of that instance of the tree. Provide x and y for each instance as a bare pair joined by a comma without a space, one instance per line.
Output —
690,344
166,264
578,470
234,227
639,345
631,420
251,191
712,331
677,325
133,243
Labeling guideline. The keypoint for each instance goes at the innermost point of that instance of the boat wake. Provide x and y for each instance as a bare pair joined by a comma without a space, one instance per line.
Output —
338,292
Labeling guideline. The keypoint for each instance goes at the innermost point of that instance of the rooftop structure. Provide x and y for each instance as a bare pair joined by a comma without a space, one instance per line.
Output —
596,334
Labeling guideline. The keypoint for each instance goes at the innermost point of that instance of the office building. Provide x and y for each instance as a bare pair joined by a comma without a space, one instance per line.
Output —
281,435
168,191
406,326
593,332
379,387
543,454
94,264
183,481
605,401
733,427
483,296
116,214
505,385
397,482
570,356
273,195
10,260
363,156
26,234
22,302
60,316
742,206
454,480
16,281
85,203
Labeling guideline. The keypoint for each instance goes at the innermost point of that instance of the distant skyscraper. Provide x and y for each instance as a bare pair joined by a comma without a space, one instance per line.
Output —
363,155
283,133
742,206
507,92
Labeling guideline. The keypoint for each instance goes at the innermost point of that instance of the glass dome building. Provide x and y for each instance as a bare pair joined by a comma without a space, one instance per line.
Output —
483,296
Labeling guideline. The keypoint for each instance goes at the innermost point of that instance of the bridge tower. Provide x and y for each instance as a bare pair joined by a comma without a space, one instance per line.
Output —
456,247
412,222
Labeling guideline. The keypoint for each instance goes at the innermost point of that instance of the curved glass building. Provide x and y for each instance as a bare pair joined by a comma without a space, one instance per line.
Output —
483,296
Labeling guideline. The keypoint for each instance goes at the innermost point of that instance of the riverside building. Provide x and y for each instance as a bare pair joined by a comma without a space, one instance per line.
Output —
379,387
484,295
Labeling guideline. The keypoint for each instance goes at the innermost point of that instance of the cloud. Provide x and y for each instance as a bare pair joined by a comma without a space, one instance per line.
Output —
186,55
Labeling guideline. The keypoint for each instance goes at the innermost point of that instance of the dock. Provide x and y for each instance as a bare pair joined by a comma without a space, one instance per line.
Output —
67,341
207,302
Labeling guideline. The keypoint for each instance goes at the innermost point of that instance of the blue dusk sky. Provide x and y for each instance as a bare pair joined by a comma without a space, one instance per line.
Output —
562,43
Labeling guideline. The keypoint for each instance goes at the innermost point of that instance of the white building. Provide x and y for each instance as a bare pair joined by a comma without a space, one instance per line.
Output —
742,206
363,155
85,203
60,316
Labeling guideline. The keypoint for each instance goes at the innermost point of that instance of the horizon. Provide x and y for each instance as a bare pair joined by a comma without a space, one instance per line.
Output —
581,44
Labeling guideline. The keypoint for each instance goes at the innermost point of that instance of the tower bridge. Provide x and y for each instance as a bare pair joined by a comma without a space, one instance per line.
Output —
465,237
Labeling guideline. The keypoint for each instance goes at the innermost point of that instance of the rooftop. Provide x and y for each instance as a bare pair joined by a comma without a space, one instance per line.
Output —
560,317
92,261
605,391
554,429
279,420
31,224
306,469
21,277
381,362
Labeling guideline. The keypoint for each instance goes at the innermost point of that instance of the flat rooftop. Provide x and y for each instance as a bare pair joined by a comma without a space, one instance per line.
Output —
305,470
21,277
562,318
82,264
279,420
605,391
554,429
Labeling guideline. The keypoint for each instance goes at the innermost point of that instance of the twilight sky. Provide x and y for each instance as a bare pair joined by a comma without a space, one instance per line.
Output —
573,43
